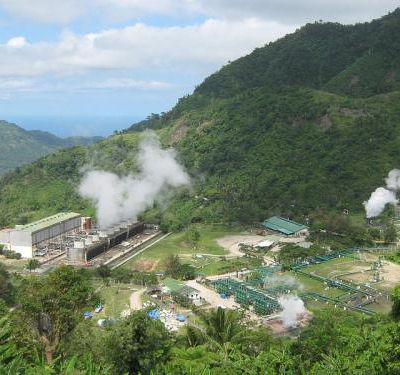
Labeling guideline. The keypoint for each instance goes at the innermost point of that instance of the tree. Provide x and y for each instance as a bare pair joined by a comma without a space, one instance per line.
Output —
222,330
178,270
396,302
223,325
32,265
6,287
52,306
193,236
104,272
3,308
138,344
122,275
390,234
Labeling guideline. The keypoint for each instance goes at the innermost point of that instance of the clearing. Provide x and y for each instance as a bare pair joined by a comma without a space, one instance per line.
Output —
231,243
177,243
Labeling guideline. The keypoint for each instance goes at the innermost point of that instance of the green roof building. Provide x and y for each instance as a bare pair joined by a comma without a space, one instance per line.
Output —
285,226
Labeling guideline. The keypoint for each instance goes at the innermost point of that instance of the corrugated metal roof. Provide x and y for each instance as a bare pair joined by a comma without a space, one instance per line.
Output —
186,290
172,284
47,222
282,225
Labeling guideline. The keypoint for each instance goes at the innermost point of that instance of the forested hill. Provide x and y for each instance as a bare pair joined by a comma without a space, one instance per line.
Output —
310,121
19,146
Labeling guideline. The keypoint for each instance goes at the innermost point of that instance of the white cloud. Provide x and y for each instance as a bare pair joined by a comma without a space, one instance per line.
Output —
140,46
126,83
137,8
299,11
15,84
46,11
17,42
283,11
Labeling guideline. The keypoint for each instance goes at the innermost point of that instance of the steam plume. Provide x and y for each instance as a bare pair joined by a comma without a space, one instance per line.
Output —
383,196
293,308
120,198
393,179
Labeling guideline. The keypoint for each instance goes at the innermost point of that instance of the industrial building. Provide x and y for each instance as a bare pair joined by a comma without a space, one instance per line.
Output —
91,244
29,238
285,226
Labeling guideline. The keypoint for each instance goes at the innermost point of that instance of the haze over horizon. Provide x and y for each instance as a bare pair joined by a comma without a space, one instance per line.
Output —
91,67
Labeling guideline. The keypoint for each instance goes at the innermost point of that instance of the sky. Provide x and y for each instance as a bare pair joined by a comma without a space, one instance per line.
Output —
88,67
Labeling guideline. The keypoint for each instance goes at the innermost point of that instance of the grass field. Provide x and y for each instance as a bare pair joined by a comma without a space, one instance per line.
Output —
176,243
218,267
115,298
14,265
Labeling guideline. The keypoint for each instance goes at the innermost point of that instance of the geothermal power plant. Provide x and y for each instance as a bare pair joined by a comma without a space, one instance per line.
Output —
95,242
73,239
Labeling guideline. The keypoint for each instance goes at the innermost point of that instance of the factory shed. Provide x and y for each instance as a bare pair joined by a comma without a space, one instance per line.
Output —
24,239
285,226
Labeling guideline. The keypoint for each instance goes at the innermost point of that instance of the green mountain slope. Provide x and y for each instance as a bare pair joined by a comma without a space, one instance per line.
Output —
311,121
19,146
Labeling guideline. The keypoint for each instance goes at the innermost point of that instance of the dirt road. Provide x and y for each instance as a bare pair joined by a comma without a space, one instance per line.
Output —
231,243
390,273
212,297
135,299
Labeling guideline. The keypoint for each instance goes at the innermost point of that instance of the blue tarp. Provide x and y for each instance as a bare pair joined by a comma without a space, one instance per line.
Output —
223,296
180,318
87,314
154,314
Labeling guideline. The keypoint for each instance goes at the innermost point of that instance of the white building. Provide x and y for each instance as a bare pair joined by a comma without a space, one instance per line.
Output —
191,293
25,239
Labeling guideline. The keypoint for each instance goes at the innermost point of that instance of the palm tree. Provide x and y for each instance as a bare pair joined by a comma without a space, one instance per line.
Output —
10,358
220,331
222,325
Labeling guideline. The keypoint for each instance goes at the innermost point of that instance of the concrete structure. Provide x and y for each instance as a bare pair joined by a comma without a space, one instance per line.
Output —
285,226
191,294
89,246
25,239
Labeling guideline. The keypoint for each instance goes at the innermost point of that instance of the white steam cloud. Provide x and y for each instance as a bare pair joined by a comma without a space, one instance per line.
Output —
293,308
120,198
393,179
383,196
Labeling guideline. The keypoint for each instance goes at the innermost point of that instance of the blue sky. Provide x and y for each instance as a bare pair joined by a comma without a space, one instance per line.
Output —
94,66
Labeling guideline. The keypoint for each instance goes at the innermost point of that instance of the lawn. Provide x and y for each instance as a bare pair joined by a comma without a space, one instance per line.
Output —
218,267
115,298
14,265
176,243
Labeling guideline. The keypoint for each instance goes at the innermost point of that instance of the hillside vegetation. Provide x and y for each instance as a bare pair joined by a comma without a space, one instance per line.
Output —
20,146
310,121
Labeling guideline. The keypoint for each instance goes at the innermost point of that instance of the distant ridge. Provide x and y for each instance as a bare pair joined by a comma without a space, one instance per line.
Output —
20,146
